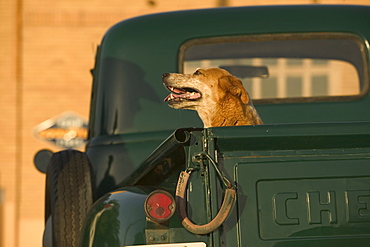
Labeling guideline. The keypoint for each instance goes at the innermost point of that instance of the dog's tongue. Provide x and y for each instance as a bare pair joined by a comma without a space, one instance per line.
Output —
172,96
179,93
185,95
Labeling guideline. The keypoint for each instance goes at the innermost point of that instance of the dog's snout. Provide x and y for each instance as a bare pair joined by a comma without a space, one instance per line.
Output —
165,75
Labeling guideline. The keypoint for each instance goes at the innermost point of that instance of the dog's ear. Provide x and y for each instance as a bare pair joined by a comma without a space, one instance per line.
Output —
234,86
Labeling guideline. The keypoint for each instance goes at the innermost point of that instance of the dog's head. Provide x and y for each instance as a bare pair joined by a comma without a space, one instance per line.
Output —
203,88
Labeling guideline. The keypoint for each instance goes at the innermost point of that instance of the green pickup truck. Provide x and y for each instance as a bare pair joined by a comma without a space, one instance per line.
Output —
152,175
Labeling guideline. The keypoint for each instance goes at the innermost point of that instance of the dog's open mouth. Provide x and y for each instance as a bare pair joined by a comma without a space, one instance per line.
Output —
178,94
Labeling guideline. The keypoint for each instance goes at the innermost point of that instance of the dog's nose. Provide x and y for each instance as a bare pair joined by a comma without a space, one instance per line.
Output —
165,75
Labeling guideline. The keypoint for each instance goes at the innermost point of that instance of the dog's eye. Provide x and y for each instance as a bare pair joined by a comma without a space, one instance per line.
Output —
197,72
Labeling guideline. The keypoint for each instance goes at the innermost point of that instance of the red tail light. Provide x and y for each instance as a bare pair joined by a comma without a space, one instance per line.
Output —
159,206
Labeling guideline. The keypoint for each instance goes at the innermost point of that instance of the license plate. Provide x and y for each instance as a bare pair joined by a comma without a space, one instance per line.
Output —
173,245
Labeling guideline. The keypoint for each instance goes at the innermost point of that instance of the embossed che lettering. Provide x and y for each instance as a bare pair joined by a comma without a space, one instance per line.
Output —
281,209
358,205
317,205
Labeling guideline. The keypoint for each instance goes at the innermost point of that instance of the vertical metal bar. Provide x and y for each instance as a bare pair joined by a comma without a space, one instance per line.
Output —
207,177
212,186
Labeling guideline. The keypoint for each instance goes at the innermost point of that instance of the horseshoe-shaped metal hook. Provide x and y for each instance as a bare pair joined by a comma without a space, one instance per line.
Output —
221,216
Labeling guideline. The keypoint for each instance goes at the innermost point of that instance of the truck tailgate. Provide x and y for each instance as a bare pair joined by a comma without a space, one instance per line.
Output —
299,185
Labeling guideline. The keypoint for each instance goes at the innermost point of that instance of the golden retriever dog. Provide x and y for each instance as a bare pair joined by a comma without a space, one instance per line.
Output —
219,97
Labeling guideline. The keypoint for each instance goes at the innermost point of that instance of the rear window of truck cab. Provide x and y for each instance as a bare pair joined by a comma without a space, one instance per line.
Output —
286,67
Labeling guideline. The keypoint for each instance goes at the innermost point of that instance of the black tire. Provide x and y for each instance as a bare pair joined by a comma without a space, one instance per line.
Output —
69,196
